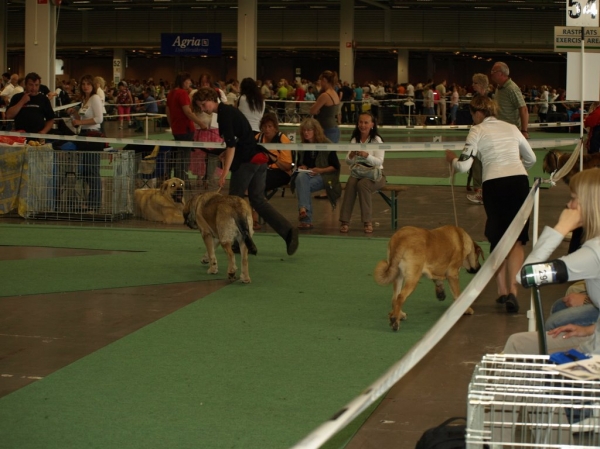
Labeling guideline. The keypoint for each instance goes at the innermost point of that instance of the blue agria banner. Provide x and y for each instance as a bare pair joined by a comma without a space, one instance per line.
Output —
190,44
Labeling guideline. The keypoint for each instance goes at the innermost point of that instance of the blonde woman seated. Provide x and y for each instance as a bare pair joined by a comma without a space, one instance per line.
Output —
318,170
279,173
366,174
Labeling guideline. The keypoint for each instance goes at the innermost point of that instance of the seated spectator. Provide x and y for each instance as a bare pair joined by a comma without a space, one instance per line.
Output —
318,170
582,209
592,122
359,185
278,173
575,307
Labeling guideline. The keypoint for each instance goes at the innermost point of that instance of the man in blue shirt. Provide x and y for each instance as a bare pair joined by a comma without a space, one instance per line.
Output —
358,98
150,106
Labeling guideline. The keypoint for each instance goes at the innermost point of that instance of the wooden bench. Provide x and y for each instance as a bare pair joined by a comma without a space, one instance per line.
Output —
391,199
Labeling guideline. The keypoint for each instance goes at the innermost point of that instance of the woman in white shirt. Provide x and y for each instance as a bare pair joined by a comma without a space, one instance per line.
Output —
505,155
358,186
251,103
90,119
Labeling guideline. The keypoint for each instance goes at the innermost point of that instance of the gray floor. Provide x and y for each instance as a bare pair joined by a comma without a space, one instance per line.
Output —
436,388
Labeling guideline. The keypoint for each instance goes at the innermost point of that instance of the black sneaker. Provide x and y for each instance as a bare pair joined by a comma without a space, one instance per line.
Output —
512,305
291,241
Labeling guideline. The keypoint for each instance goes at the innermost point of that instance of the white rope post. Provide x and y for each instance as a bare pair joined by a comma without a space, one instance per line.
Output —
536,224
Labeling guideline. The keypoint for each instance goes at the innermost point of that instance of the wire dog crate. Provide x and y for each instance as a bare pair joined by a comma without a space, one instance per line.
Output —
514,403
80,185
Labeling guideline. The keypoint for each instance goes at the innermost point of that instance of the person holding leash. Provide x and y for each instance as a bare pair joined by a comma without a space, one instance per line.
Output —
505,155
247,164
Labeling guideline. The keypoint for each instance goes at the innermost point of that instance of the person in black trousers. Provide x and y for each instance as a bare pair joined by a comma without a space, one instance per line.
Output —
247,163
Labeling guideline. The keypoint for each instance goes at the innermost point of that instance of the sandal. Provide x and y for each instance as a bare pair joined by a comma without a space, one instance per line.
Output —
302,214
345,227
305,226
368,228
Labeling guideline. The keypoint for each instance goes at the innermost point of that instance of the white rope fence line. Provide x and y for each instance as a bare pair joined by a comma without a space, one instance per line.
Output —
378,388
392,146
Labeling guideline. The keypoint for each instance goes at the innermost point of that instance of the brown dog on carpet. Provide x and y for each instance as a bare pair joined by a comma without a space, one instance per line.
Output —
437,253
555,160
224,219
164,204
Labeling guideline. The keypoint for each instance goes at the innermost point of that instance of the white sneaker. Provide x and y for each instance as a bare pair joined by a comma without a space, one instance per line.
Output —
476,198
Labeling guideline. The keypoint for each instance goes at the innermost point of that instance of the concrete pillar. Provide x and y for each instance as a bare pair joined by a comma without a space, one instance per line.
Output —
3,35
119,65
346,71
402,74
40,40
247,40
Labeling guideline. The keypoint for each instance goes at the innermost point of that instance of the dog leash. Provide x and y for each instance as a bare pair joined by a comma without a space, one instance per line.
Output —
451,168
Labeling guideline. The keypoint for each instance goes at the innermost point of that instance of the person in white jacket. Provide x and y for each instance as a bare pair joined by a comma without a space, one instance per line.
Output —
505,155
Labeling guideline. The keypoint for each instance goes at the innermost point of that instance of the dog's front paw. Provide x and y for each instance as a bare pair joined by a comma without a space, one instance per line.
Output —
469,312
440,294
394,321
403,316
205,260
231,276
214,269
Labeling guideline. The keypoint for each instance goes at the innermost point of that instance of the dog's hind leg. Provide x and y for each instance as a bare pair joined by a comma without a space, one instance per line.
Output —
232,267
210,255
455,289
402,290
439,289
244,275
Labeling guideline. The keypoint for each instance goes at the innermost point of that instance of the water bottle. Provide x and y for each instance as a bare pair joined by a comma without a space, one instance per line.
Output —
541,273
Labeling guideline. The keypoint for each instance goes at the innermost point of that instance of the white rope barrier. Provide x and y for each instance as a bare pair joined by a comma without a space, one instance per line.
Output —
396,146
378,388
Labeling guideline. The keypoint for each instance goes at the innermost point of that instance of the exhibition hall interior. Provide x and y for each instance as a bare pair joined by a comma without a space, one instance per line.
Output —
197,198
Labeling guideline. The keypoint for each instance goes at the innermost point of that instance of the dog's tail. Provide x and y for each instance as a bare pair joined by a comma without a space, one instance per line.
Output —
385,272
242,224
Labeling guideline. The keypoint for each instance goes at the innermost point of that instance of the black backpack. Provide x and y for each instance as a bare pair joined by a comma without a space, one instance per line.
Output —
444,436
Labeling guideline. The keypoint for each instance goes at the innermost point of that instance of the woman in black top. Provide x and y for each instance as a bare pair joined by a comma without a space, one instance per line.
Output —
247,164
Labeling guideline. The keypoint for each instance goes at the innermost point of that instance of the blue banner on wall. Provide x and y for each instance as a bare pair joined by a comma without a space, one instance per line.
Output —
190,44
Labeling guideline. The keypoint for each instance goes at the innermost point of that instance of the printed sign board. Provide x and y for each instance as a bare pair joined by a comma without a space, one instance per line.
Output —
190,44
569,39
582,13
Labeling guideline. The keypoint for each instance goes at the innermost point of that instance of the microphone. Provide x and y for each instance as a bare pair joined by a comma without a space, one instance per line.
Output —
537,274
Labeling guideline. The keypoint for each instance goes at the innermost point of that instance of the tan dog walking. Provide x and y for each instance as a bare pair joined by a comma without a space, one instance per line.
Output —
224,219
438,254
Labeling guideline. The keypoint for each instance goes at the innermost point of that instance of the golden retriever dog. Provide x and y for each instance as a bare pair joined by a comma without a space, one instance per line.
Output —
555,160
164,204
437,253
224,219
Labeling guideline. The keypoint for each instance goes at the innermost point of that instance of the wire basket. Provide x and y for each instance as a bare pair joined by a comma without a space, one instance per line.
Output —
514,403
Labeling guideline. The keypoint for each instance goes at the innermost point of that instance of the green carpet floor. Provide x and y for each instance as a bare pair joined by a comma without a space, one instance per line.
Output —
250,366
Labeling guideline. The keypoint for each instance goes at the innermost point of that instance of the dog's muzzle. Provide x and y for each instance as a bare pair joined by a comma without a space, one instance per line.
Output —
178,195
473,270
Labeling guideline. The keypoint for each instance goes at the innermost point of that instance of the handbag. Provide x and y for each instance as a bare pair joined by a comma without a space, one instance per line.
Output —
360,169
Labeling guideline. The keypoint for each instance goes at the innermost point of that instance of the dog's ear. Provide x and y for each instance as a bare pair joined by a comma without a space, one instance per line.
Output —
164,186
